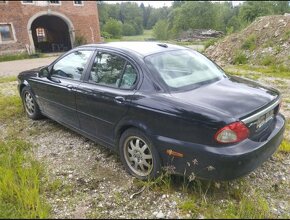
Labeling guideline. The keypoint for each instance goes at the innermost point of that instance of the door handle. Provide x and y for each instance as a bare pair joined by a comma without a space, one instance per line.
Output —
70,87
119,99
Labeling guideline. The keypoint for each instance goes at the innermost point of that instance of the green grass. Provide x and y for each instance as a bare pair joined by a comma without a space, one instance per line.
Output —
285,146
233,206
250,43
240,58
7,79
21,188
10,107
147,35
272,70
19,56
20,182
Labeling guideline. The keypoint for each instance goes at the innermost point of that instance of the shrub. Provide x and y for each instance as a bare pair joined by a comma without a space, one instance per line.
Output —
240,58
128,30
268,60
80,40
209,43
114,28
229,30
250,43
106,35
160,30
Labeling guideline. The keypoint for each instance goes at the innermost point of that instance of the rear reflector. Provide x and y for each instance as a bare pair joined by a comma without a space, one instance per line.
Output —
174,153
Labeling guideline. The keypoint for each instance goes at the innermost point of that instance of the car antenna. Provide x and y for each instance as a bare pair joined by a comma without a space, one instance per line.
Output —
162,45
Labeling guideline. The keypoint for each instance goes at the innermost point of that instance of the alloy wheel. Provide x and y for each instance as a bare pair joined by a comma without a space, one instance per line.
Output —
138,156
29,103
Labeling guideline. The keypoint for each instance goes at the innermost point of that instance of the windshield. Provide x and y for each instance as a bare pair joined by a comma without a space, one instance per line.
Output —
184,68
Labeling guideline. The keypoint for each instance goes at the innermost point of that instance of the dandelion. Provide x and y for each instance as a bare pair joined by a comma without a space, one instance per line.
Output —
169,169
191,177
195,161
217,185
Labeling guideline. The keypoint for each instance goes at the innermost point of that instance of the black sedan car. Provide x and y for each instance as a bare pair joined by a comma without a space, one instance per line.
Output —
159,106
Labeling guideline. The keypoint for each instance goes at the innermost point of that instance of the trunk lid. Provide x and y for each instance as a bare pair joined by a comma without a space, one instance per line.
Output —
234,96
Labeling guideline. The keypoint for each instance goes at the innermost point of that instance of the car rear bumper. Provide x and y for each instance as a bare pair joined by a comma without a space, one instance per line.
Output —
220,163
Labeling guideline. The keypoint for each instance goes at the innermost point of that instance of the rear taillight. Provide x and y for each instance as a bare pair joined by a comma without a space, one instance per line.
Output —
232,133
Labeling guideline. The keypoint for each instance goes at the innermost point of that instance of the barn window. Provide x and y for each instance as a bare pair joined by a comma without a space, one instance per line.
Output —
6,32
78,3
54,2
41,35
27,2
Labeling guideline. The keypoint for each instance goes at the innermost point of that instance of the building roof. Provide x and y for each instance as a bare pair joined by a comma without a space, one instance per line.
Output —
140,48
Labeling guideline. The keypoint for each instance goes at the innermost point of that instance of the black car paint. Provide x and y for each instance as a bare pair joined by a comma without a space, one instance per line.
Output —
183,121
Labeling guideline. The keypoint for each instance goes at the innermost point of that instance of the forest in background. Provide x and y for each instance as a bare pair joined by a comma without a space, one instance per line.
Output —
128,18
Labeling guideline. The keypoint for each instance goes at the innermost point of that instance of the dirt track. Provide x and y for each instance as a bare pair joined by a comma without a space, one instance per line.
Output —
12,68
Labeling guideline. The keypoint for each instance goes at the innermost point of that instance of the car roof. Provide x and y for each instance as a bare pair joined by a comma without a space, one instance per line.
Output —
138,47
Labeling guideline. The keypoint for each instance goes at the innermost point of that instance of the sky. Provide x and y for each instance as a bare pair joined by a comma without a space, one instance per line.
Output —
159,4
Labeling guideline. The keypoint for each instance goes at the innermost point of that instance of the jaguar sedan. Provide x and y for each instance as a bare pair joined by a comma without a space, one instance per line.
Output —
160,106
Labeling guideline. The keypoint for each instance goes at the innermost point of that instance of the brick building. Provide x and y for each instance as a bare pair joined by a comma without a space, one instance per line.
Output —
47,26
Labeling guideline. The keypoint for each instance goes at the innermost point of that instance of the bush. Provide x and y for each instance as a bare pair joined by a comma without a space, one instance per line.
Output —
160,30
114,28
240,58
268,60
106,35
209,43
250,43
128,30
80,40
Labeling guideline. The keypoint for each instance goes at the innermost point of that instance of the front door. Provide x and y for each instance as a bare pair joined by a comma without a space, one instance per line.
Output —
59,96
104,99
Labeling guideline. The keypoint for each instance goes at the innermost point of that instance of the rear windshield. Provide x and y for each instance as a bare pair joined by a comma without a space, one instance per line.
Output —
183,69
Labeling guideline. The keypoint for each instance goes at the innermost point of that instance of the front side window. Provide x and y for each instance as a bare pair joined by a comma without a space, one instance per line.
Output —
182,69
6,32
112,70
72,65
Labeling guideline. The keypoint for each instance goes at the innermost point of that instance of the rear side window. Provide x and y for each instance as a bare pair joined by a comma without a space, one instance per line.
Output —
72,65
129,77
112,70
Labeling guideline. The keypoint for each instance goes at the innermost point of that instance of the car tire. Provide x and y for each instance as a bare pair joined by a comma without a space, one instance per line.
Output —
30,105
138,155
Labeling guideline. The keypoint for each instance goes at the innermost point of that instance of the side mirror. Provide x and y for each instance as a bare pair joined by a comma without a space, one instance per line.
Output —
44,72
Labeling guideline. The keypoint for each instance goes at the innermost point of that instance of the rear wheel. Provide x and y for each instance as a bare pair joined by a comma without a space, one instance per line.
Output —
31,107
138,155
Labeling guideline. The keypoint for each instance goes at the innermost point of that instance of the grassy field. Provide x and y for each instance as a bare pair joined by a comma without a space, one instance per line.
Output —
147,35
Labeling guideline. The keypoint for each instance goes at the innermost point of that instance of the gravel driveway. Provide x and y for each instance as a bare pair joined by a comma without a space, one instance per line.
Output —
12,68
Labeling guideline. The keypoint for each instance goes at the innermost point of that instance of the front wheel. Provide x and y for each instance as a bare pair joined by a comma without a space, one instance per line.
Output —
138,155
31,107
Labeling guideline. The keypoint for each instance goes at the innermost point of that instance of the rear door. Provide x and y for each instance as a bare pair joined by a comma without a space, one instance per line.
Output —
59,93
106,95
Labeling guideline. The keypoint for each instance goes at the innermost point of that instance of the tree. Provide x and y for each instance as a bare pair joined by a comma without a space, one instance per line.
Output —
250,10
113,27
128,30
160,30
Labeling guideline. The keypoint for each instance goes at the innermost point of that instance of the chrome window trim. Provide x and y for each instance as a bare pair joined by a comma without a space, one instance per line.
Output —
261,113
